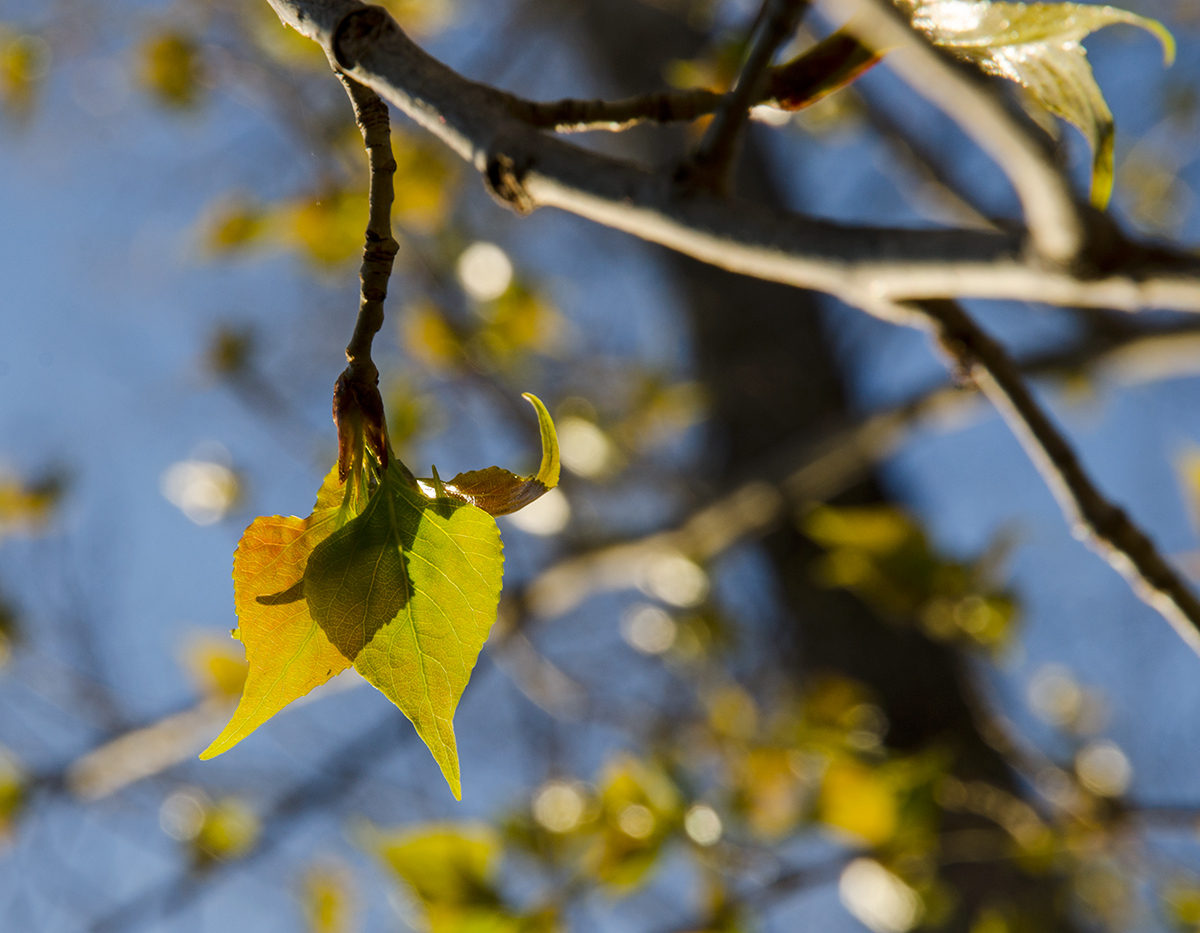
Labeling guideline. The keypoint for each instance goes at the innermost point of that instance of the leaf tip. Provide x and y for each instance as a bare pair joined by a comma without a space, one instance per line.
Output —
547,473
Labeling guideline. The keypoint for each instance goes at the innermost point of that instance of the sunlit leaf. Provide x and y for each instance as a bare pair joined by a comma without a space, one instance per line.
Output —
26,507
408,591
287,652
1037,45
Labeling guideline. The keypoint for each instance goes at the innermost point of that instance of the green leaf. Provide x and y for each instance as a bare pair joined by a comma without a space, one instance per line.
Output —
1037,45
287,652
408,592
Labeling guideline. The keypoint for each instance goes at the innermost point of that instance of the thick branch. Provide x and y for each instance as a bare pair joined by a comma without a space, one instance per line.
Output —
871,268
1052,212
1103,525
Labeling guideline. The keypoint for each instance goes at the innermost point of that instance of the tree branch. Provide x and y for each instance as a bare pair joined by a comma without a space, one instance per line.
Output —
1094,519
871,268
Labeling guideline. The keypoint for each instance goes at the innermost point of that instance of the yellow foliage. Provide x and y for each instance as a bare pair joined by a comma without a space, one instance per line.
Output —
12,792
24,60
520,322
234,225
217,667
330,230
860,800
429,338
772,791
639,806
424,183
421,17
27,507
171,68
229,830
732,712
327,901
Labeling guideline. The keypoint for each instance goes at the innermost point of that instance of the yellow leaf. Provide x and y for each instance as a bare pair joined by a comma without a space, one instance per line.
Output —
859,800
287,652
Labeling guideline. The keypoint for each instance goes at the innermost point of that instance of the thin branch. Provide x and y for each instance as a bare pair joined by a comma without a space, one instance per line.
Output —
712,162
1094,519
868,267
379,251
806,79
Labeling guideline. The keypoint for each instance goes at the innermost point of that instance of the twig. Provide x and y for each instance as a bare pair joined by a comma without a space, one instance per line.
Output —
712,162
379,251
806,79
1052,212
868,267
1094,519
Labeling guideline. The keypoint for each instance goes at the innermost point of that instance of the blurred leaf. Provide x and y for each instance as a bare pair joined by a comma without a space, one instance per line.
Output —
421,17
24,60
327,900
229,831
234,225
428,337
171,68
12,792
451,871
27,507
1037,45
518,323
859,799
217,668
639,807
424,183
329,230
883,556
230,351
408,591
287,652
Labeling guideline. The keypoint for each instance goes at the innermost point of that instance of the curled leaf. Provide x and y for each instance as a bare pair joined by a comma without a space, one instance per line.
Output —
499,492
1037,45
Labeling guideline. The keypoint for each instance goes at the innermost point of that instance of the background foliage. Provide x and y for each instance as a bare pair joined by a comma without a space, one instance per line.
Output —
801,638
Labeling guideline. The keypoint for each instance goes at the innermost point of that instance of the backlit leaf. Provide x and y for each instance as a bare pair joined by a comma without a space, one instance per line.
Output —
499,492
288,653
408,591
1037,45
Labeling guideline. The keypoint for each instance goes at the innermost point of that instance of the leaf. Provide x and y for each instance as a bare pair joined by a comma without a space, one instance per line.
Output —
408,591
499,492
287,652
1037,45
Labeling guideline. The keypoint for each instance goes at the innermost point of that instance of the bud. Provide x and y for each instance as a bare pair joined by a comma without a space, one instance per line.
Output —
358,414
